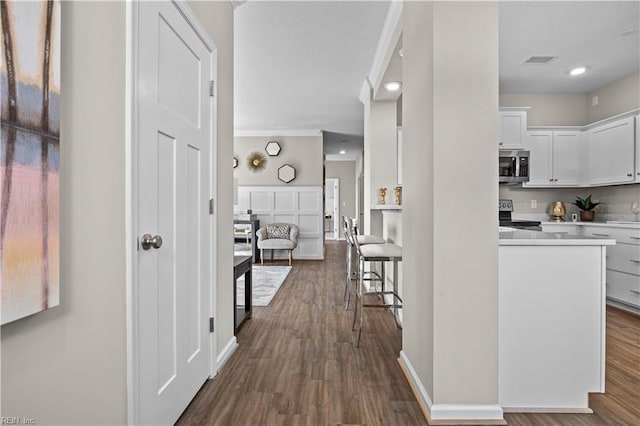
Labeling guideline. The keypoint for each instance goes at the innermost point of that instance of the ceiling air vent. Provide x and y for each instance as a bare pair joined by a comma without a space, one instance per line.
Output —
539,60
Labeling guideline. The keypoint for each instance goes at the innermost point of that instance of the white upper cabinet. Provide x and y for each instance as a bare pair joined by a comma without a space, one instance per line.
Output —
638,148
611,152
566,157
554,158
513,126
540,145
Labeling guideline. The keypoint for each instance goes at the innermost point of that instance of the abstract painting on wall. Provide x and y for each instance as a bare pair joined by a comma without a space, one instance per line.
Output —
29,158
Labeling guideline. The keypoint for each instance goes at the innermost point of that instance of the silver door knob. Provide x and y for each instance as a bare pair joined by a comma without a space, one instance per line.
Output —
148,241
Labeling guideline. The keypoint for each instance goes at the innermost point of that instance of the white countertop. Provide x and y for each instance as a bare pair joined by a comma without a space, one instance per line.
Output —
386,207
536,238
612,224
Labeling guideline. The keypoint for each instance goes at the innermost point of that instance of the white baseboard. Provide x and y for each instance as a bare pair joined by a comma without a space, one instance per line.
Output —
567,410
461,412
416,384
448,413
226,353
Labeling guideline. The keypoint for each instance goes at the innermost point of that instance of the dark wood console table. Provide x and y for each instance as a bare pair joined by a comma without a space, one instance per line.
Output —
242,310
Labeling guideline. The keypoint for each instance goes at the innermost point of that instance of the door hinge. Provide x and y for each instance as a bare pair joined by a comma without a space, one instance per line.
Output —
211,206
211,325
211,88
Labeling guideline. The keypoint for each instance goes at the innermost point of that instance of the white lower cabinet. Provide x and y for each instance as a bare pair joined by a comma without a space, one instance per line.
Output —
622,262
623,287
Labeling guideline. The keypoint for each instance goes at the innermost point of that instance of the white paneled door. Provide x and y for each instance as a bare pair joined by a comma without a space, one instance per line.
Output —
174,169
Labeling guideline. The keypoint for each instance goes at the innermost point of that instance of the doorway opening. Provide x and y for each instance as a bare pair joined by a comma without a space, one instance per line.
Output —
332,209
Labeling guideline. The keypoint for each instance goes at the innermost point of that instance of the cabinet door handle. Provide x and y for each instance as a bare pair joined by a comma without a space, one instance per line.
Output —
629,174
633,260
600,235
635,291
550,180
635,238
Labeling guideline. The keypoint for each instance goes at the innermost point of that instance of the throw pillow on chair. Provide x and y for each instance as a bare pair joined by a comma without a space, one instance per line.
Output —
278,232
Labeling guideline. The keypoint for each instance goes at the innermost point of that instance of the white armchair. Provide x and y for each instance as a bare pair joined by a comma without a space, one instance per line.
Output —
278,236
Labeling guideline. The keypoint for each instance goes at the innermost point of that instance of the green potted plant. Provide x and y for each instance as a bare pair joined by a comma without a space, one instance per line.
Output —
586,207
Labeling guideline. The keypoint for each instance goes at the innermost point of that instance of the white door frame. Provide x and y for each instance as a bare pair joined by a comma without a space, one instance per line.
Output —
335,215
336,209
131,197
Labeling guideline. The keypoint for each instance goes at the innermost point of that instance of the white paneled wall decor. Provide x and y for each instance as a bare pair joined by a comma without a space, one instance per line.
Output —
300,205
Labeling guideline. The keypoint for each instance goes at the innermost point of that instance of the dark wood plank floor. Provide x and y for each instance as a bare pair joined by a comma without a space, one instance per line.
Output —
297,364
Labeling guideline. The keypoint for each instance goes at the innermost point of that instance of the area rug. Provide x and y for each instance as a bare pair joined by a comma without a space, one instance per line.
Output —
265,280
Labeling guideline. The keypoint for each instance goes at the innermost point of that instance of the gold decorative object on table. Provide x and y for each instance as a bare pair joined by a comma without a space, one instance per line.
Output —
558,211
256,162
383,195
398,192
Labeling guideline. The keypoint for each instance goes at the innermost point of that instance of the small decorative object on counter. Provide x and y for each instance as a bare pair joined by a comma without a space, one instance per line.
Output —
586,207
398,192
557,211
635,209
383,195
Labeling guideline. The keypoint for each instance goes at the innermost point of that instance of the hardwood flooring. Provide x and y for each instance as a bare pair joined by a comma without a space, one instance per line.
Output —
297,364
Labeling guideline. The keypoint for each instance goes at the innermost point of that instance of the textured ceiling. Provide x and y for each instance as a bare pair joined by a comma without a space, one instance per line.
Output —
576,33
300,65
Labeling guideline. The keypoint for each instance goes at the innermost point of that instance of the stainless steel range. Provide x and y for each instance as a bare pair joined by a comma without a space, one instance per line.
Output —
505,208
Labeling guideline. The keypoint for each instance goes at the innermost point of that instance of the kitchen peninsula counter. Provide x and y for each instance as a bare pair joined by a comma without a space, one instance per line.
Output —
551,320
536,238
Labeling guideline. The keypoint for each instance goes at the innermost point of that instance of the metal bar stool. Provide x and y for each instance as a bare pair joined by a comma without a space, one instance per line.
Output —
362,240
376,253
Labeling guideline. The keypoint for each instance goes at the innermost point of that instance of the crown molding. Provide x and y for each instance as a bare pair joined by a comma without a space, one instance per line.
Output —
274,133
365,90
237,3
391,32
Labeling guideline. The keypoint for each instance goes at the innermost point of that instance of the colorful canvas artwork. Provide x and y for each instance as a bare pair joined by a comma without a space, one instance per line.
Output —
29,158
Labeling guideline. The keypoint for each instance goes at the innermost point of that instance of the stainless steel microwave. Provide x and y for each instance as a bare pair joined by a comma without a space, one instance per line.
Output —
513,166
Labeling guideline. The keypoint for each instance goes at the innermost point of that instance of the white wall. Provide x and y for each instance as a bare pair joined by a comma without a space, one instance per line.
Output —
304,153
576,109
615,98
564,109
346,172
68,365
380,151
450,277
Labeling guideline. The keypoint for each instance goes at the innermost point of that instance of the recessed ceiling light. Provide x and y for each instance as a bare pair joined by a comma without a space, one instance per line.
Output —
342,151
577,71
392,86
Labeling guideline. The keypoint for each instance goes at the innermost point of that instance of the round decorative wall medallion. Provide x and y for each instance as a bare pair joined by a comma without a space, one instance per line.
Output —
256,162
286,173
273,148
